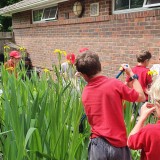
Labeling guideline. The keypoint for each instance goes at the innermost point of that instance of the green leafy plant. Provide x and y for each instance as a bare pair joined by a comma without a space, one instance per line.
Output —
40,120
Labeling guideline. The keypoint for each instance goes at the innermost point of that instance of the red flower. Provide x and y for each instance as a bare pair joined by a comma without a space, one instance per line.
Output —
71,58
83,49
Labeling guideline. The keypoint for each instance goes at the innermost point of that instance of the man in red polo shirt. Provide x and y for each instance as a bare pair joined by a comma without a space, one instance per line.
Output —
145,79
102,100
147,138
13,61
141,69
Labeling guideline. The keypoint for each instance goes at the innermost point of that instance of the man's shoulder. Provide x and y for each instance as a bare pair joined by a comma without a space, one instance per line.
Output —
137,69
113,82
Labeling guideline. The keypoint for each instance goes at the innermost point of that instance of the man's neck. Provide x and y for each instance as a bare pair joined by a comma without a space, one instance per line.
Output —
142,64
96,75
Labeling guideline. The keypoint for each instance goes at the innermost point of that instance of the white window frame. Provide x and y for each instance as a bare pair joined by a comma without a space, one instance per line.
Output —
150,5
55,17
43,19
143,8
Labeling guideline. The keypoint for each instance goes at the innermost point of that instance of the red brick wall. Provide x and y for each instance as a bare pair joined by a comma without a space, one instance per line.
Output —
116,38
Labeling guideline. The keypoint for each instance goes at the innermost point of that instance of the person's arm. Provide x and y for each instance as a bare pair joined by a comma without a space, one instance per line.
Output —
134,83
137,86
146,110
5,65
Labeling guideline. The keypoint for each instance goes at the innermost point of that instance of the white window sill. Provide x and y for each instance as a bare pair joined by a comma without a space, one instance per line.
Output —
44,21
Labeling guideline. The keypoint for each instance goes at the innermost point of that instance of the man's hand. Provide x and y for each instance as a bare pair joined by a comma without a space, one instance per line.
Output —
146,110
127,69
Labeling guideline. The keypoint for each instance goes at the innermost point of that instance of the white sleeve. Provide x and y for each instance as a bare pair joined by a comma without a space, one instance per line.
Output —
64,67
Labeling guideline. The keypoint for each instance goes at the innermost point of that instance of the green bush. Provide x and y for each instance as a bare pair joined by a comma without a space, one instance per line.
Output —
40,119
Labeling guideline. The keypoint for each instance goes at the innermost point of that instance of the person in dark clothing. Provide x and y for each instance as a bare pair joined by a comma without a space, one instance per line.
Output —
1,58
28,66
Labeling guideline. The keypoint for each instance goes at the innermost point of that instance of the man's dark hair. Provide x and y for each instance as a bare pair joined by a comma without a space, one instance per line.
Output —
143,55
88,63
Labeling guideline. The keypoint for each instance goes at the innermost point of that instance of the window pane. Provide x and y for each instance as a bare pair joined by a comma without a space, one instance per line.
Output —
153,1
50,13
46,13
53,12
136,3
121,4
37,15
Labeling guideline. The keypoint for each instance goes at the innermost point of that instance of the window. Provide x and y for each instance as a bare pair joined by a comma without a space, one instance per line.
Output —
151,3
45,14
124,5
127,4
37,15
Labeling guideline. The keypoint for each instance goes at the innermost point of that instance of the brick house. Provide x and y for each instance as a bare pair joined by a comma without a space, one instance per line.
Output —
115,29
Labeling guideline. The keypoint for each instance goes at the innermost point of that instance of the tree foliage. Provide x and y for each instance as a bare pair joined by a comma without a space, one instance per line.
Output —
6,22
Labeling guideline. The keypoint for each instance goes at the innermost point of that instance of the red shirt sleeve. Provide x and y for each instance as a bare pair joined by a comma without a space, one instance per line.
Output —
136,141
129,94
